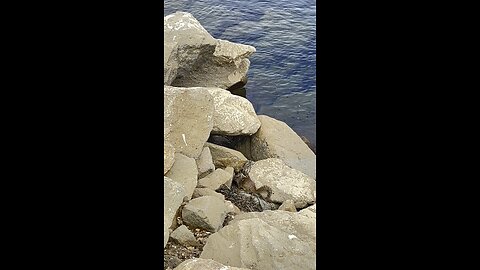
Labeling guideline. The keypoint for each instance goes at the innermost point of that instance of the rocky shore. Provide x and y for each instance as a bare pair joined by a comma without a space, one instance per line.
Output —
239,188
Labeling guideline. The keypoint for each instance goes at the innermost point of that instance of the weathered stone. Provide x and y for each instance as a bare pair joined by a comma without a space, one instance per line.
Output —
214,180
205,164
234,115
207,212
224,157
204,264
168,156
199,192
195,58
232,208
285,183
173,194
184,171
288,205
188,119
184,236
275,139
269,240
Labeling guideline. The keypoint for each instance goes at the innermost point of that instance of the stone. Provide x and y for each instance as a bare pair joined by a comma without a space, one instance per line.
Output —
205,164
168,156
269,240
184,236
207,212
285,183
192,57
184,171
216,179
188,119
234,115
275,139
288,205
204,264
173,194
199,192
224,157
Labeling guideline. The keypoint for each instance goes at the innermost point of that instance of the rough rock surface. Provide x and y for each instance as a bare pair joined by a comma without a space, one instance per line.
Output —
168,156
199,192
288,205
286,183
269,240
184,236
188,119
224,157
205,164
207,212
194,58
234,115
184,171
275,139
173,194
204,264
214,180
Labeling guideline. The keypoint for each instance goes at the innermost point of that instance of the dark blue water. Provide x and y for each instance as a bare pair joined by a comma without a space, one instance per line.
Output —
282,75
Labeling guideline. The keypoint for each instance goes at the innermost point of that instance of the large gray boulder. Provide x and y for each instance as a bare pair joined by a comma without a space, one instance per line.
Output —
168,156
204,264
173,194
207,212
188,119
269,240
275,139
234,115
194,58
285,183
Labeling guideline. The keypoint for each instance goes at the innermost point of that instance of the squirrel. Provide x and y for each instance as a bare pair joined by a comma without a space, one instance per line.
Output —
245,183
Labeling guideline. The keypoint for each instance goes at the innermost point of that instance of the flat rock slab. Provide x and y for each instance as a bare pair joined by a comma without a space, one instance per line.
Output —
184,171
194,58
286,183
204,264
217,178
207,212
188,119
269,240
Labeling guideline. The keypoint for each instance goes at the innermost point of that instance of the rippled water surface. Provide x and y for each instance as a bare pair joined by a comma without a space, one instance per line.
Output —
282,75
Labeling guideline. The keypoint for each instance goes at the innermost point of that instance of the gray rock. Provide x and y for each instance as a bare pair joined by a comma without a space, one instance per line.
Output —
285,183
199,192
184,171
173,194
194,58
168,156
288,205
184,236
275,139
207,212
234,115
204,264
188,119
269,240
205,164
214,180
224,157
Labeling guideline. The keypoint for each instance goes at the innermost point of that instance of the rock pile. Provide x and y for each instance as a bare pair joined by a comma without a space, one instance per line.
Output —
205,210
